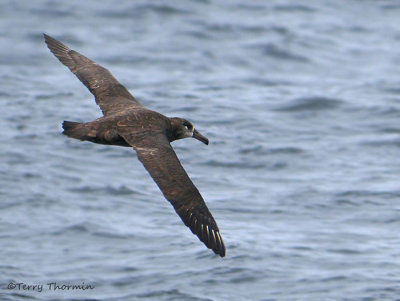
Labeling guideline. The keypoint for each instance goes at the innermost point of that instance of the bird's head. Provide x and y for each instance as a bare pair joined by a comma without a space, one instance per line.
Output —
182,128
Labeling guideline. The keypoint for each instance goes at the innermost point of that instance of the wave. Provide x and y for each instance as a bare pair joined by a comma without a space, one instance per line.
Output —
280,53
259,150
316,103
122,190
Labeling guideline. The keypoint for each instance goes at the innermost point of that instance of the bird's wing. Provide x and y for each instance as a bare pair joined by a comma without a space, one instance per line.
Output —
110,95
160,160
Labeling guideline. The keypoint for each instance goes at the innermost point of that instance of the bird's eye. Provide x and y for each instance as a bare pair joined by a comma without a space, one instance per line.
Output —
188,126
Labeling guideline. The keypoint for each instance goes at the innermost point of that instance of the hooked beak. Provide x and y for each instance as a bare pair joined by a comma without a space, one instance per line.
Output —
200,137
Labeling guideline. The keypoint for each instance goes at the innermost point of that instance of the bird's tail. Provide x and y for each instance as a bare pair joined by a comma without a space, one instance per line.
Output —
93,132
75,130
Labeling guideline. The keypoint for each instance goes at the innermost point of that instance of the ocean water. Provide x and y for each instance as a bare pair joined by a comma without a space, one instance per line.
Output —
301,103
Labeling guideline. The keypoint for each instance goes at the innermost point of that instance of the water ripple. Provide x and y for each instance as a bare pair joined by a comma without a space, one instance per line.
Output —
308,207
311,104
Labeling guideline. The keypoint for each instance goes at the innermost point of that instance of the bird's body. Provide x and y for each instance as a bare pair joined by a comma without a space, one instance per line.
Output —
105,130
126,122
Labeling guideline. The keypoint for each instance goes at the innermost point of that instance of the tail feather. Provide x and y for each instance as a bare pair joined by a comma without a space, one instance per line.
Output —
68,125
75,130
93,132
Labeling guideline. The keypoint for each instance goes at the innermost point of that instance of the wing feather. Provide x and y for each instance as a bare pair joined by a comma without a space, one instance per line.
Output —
160,160
110,95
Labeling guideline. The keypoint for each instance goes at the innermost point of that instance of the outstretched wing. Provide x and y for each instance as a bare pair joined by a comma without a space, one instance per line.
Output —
160,160
110,95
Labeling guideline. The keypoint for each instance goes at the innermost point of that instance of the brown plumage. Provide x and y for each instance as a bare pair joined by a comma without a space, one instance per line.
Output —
126,122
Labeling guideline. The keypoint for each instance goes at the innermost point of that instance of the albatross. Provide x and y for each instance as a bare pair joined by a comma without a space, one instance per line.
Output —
126,122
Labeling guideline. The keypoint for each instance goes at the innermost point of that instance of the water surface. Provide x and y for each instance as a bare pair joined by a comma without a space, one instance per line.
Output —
301,104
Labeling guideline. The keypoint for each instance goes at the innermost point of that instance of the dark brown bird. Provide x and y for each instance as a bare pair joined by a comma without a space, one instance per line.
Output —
126,122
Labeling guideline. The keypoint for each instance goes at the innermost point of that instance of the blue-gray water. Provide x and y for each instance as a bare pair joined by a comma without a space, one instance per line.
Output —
301,103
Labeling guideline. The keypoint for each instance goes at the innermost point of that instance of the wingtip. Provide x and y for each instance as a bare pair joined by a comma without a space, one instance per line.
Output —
221,253
57,48
206,231
220,249
48,40
46,37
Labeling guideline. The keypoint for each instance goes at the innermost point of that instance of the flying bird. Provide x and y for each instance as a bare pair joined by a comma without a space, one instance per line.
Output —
126,122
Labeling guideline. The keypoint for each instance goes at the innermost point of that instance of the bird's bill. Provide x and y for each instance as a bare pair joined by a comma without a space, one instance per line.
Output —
200,137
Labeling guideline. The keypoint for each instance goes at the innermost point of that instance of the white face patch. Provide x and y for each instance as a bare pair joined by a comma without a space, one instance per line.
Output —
188,133
187,130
